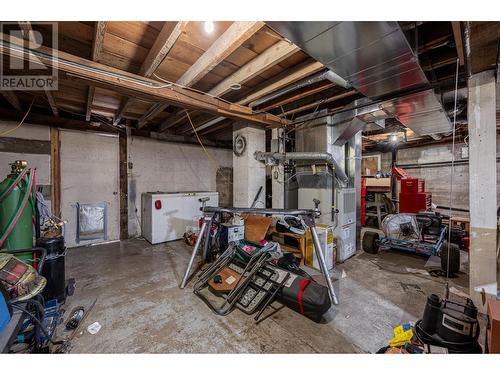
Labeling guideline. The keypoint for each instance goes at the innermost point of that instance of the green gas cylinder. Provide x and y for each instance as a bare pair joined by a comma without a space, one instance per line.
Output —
21,236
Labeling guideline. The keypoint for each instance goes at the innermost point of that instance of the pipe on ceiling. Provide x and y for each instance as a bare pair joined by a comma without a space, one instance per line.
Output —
326,75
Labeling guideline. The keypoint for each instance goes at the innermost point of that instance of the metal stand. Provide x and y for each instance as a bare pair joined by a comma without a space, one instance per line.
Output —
206,225
306,215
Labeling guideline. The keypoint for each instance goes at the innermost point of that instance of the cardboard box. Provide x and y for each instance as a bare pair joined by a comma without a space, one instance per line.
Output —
325,234
494,326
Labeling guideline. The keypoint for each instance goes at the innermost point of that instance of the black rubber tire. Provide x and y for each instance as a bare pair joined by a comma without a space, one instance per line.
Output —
454,258
370,242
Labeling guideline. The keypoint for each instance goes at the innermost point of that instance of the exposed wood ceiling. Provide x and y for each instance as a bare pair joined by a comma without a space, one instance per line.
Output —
246,54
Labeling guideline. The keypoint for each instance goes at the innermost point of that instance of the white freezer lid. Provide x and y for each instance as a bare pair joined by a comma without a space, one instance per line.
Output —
181,194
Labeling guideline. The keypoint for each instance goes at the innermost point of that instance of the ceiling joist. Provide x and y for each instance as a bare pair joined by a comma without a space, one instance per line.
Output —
162,46
97,45
132,84
270,57
225,45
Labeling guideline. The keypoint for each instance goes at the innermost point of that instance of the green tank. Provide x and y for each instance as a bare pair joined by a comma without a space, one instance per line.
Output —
11,204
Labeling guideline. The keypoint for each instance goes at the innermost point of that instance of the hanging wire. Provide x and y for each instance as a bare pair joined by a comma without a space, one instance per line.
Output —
3,134
452,172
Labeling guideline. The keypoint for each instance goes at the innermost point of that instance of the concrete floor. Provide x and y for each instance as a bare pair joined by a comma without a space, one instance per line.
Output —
142,310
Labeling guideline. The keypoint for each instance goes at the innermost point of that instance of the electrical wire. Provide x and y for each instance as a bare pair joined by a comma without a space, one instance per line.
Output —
206,151
452,171
20,123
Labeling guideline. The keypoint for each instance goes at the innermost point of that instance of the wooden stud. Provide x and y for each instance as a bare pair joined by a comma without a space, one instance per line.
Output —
55,171
123,167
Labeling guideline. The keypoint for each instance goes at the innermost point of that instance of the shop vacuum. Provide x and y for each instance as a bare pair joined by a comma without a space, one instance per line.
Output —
54,269
449,325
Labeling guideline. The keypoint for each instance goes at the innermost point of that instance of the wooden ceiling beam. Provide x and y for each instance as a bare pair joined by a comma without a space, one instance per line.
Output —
270,57
288,78
225,45
457,35
132,84
298,96
29,35
97,46
319,103
273,55
162,46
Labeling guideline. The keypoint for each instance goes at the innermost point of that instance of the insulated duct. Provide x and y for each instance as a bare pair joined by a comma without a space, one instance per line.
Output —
376,59
325,157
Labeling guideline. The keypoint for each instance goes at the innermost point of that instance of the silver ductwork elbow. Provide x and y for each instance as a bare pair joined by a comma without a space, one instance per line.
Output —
276,157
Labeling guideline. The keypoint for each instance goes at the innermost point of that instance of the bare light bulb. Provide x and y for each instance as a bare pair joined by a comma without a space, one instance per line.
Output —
209,27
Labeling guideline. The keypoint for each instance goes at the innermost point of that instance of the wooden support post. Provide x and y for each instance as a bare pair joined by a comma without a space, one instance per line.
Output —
123,186
55,171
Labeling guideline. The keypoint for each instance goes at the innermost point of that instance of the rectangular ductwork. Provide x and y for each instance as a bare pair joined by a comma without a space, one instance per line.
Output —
376,59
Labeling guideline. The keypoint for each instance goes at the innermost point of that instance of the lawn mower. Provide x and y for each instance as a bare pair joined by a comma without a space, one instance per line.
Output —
421,234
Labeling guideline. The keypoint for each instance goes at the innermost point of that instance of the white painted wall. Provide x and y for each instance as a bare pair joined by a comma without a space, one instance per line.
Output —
249,174
164,166
40,162
89,174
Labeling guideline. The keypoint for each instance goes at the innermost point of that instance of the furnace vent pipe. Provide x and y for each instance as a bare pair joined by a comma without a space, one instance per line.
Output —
305,156
327,75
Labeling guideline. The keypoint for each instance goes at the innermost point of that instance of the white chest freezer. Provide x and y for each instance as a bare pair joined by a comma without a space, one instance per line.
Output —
167,216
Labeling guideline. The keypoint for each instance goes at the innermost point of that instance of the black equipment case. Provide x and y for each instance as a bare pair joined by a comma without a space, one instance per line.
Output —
307,297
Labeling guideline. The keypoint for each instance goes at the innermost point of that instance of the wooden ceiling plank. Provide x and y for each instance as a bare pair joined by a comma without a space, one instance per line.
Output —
97,44
267,59
161,47
158,52
132,84
225,45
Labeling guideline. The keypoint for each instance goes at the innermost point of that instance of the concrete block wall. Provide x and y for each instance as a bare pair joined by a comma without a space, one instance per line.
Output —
437,178
164,166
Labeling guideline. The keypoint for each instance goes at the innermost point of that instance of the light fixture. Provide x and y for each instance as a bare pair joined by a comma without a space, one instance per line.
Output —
235,86
393,138
209,27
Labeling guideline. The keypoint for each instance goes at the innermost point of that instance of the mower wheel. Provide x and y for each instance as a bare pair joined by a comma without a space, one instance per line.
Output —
370,242
452,258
